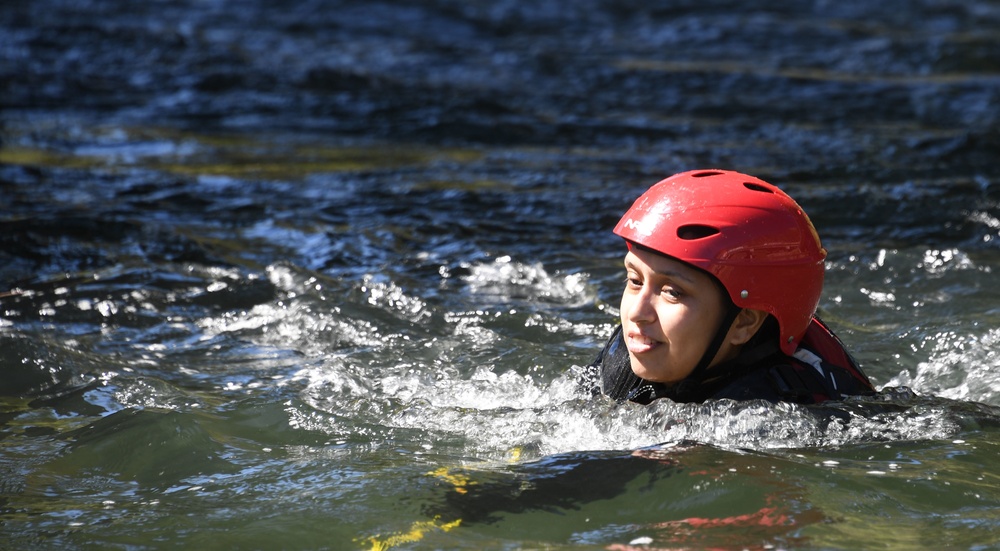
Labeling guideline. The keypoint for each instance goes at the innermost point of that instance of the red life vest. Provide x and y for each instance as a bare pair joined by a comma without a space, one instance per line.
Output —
823,368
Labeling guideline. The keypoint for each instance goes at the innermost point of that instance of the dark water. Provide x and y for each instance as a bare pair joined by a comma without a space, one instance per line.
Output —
317,275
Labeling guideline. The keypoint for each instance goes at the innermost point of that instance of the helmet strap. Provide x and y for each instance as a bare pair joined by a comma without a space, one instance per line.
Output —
720,336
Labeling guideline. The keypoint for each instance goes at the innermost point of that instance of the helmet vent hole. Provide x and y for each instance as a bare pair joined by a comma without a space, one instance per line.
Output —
691,232
705,174
756,187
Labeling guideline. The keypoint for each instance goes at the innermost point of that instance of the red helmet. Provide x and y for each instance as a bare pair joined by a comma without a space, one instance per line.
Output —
749,234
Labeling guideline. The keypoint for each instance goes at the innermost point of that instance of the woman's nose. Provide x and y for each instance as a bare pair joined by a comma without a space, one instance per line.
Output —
640,309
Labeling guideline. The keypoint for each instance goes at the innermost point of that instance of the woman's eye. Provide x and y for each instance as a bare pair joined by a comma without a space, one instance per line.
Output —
672,292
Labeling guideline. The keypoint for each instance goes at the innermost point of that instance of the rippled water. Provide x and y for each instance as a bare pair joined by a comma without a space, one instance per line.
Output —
320,275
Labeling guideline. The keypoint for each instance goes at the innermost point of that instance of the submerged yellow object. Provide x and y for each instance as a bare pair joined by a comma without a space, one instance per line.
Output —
416,533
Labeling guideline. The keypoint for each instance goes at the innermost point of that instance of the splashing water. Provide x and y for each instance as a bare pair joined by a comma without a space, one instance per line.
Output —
444,378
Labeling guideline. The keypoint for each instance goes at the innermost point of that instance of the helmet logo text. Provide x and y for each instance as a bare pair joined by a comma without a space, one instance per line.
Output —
643,227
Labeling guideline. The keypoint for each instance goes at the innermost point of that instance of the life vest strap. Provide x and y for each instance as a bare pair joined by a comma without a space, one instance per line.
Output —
798,383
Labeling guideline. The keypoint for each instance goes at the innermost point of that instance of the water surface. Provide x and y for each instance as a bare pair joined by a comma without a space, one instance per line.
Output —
321,275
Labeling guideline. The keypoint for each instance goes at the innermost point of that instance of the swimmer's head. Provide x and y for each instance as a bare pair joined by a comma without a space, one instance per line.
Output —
748,234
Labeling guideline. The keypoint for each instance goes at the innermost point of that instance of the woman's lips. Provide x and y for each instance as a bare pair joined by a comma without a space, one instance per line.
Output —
638,343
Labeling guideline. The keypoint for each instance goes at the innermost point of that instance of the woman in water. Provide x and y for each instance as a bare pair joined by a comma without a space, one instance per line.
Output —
724,273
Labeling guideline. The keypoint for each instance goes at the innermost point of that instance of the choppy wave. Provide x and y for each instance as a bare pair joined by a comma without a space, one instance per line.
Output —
366,359
470,384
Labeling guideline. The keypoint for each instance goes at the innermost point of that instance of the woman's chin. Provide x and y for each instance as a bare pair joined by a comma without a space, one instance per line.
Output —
651,375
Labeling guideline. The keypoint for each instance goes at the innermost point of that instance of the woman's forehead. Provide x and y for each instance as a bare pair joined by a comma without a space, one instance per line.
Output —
665,266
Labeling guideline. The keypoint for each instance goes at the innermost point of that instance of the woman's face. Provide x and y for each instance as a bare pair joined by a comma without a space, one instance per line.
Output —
670,312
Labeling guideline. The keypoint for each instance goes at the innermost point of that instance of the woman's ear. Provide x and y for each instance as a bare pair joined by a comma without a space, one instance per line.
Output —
745,326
